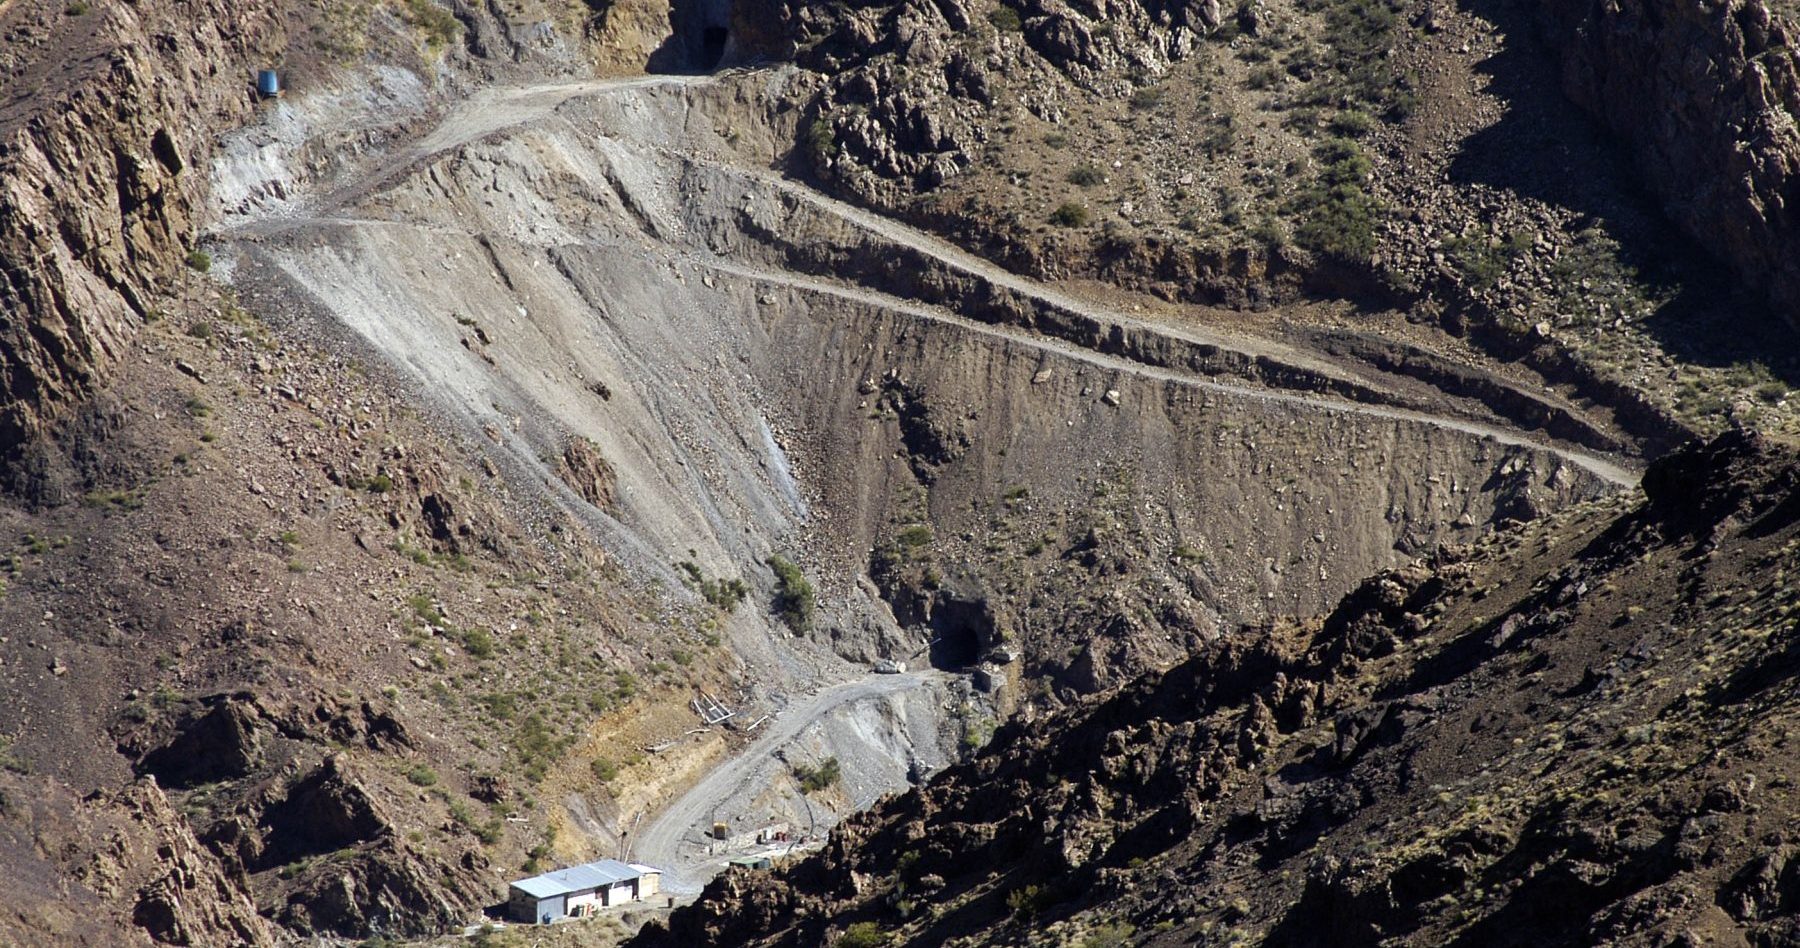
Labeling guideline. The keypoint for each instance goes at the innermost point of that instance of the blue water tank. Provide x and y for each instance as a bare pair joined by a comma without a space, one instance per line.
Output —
268,84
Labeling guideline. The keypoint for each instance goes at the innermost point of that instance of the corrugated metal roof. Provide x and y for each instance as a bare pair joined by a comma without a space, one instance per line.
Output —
574,879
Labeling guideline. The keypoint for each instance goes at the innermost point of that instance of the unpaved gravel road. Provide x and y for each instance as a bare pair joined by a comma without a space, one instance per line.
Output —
498,109
660,842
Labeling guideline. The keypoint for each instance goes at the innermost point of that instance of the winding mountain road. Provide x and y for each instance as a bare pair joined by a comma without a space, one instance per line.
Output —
497,110
673,838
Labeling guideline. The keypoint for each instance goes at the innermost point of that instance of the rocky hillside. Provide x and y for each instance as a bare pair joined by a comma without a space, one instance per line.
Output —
1386,154
387,470
1707,97
100,175
1576,732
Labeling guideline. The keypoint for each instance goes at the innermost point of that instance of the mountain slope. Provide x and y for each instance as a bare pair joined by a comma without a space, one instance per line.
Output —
1573,733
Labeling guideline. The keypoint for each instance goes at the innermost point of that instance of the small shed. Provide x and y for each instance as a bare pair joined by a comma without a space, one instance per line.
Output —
752,862
649,881
578,890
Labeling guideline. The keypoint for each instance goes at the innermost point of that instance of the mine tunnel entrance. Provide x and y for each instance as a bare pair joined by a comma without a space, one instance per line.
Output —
712,46
701,40
959,626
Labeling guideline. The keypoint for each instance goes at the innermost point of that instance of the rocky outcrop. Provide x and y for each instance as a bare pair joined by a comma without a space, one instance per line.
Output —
117,867
221,743
98,186
327,810
389,889
908,102
189,899
588,473
1707,95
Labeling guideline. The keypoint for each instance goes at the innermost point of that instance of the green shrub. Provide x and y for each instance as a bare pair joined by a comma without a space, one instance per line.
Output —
914,536
1085,176
1147,98
1006,19
1351,123
422,776
1026,901
605,771
537,746
1111,935
1263,77
199,260
725,593
1338,215
478,643
814,779
863,934
795,601
1069,214
501,706
439,25
821,140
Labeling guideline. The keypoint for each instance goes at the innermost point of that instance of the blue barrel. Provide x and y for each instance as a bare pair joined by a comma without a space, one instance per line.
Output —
268,84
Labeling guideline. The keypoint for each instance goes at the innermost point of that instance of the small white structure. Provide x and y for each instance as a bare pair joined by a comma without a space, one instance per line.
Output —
580,890
649,881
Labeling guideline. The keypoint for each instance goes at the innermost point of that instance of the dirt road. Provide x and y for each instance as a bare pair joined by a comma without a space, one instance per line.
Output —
672,840
499,109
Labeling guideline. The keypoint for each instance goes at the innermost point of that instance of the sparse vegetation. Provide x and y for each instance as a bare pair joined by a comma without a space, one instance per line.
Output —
440,26
1147,98
795,601
863,935
815,779
821,140
478,643
1084,176
723,594
1109,935
605,771
1338,215
1006,19
1026,901
1069,214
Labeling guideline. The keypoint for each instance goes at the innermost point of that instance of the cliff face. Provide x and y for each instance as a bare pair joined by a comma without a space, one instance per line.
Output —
97,179
1706,94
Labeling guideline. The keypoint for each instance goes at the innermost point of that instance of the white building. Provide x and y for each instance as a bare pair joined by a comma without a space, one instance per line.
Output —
580,890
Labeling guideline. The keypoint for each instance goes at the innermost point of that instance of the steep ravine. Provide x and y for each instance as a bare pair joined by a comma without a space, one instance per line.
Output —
951,469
